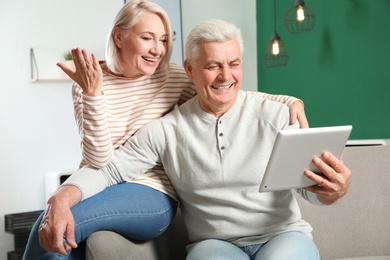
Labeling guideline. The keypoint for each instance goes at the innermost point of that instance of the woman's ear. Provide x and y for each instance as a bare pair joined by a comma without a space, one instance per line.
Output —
118,36
189,69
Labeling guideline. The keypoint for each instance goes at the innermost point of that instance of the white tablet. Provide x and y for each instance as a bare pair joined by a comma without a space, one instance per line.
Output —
293,152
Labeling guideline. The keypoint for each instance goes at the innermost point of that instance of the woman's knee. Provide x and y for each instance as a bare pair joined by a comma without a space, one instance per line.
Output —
132,210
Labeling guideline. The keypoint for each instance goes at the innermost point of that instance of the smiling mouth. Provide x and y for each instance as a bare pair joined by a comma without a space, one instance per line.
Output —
222,87
150,59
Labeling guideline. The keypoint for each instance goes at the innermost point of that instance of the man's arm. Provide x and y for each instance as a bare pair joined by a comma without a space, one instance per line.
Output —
129,161
90,180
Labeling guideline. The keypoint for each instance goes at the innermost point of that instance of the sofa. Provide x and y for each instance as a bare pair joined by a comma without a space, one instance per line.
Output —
356,227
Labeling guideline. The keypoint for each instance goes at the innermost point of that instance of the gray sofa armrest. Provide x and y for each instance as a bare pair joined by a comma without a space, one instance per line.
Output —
110,245
359,224
105,245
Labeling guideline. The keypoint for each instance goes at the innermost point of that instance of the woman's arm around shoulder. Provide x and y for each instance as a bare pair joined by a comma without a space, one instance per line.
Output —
297,110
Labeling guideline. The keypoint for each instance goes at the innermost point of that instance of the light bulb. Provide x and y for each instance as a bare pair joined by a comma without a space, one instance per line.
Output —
275,48
300,14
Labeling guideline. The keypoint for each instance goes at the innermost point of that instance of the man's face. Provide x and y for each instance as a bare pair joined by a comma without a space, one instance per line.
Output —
217,75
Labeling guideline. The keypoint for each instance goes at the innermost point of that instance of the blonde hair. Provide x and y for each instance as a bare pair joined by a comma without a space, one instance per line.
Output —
126,18
210,31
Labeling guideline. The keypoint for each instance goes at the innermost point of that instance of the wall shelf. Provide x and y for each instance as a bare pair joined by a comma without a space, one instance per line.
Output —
50,74
51,80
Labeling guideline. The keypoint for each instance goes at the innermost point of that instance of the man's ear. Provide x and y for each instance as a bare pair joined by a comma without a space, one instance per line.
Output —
118,36
189,69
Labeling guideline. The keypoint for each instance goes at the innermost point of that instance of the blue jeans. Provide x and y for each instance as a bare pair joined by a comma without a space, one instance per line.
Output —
290,245
133,210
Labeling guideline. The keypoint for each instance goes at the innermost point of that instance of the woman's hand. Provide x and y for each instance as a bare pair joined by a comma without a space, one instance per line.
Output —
297,112
85,71
56,231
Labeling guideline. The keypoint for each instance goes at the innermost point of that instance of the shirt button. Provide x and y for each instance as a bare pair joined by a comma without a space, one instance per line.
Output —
220,134
222,147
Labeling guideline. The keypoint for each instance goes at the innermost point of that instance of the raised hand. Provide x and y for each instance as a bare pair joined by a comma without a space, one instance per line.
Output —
85,71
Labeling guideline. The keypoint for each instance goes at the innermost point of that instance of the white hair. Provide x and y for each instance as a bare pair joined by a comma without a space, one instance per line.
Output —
211,31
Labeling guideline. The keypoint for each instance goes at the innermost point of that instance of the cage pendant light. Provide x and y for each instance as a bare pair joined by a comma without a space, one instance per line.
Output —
300,18
276,55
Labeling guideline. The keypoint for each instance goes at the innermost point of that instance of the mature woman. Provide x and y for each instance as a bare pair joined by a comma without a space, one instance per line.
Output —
112,100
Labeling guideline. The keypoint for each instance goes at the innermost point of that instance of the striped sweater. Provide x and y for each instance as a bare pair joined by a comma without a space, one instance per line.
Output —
105,122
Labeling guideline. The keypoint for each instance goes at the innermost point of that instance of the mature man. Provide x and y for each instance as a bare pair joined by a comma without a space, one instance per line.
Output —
214,149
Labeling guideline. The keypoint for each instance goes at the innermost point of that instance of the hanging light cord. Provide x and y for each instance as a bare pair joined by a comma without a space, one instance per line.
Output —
275,16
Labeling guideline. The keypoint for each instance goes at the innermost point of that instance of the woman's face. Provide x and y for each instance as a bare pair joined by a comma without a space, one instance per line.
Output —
145,44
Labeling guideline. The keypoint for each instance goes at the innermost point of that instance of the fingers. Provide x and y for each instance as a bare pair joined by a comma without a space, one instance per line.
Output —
70,239
68,71
300,116
69,68
321,180
58,243
302,120
81,58
335,163
293,116
88,60
76,57
95,61
56,230
51,241
334,182
297,112
85,55
86,63
328,165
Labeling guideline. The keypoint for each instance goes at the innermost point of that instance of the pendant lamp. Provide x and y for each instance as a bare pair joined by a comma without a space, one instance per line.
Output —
276,55
300,18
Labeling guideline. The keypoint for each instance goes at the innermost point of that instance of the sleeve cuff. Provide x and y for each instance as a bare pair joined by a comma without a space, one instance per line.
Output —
89,180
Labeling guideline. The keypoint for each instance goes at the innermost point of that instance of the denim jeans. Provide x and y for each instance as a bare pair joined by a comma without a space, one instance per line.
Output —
290,246
132,210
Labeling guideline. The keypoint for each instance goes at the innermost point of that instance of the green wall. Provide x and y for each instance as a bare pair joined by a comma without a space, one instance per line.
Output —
341,69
